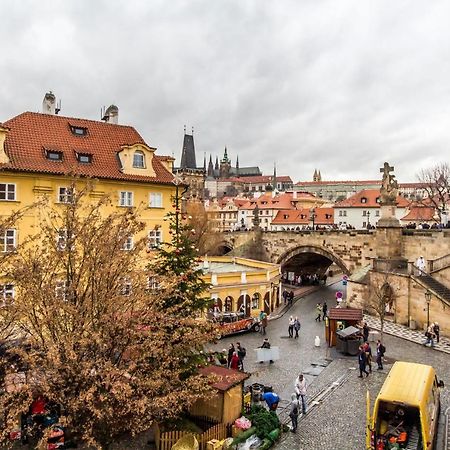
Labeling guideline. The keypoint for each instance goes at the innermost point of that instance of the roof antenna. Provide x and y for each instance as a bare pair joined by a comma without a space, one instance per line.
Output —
58,107
184,129
192,131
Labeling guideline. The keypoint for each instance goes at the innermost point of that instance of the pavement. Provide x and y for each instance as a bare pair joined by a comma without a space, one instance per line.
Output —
336,418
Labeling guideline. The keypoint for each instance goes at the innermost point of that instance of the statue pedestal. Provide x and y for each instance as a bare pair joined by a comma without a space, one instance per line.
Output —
388,218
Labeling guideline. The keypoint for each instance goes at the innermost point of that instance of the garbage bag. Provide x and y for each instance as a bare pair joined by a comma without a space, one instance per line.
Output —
243,423
188,442
253,442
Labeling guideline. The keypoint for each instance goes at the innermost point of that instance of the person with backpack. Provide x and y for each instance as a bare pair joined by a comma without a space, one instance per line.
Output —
242,352
381,350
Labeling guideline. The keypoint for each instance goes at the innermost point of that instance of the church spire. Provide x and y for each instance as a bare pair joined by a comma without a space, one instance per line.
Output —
216,166
274,180
210,167
237,164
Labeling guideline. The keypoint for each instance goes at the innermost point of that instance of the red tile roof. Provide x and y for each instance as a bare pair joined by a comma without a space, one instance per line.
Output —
265,179
226,378
294,217
32,133
324,183
420,213
285,200
371,195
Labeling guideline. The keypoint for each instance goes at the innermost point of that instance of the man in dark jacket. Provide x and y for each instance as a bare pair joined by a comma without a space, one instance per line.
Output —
362,361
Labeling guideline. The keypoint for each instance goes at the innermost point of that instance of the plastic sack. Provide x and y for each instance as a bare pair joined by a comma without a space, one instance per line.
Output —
253,442
188,442
242,423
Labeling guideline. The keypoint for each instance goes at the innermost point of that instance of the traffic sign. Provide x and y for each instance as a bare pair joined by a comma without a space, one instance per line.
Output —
338,294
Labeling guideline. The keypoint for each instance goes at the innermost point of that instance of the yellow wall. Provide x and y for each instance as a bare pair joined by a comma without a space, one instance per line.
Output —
261,281
31,187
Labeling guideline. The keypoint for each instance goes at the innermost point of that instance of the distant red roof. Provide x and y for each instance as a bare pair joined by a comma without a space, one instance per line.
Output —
322,216
30,134
345,314
367,198
420,213
353,182
226,378
265,179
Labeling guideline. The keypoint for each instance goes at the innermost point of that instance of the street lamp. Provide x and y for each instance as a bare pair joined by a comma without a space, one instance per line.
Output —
428,300
313,216
368,220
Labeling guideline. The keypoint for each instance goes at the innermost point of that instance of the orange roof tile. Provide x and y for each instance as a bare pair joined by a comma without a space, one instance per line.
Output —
32,133
420,213
370,196
265,179
322,216
354,182
225,378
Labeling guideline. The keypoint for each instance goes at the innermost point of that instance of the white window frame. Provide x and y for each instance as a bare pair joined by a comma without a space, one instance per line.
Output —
155,200
65,194
126,199
7,292
152,283
142,155
126,288
8,240
128,243
61,239
6,192
61,290
154,238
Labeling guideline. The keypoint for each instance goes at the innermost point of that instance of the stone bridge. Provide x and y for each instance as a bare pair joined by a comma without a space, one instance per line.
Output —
349,249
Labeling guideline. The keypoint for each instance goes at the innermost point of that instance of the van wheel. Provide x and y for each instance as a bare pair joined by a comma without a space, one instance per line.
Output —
256,328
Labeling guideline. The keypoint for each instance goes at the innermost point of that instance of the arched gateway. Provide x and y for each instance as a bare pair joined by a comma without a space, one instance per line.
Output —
294,252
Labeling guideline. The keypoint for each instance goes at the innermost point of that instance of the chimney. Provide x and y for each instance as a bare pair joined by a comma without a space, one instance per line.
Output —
111,114
294,195
49,103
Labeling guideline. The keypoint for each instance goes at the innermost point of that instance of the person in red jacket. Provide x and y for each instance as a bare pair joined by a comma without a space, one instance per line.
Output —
234,364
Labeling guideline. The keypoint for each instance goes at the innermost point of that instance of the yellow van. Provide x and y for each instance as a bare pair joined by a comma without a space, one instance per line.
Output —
406,410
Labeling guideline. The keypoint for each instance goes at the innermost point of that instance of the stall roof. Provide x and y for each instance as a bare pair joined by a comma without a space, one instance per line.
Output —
346,332
346,314
225,378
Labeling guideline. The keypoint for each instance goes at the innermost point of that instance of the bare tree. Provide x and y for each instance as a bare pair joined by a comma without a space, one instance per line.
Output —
380,297
99,343
436,183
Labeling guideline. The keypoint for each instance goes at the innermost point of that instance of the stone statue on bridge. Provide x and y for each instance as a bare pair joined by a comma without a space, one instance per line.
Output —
389,186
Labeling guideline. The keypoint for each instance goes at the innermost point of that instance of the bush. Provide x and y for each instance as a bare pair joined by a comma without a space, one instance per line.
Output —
263,420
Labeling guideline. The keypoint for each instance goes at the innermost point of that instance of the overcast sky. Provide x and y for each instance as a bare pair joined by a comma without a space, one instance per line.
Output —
337,85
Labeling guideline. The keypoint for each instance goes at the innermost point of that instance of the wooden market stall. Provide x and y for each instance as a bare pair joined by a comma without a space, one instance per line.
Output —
225,406
339,319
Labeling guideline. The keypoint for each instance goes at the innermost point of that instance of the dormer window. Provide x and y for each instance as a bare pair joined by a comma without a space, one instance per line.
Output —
78,131
54,155
84,158
363,200
139,160
377,199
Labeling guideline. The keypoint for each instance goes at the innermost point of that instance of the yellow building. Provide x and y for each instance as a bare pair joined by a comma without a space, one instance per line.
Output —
40,154
239,284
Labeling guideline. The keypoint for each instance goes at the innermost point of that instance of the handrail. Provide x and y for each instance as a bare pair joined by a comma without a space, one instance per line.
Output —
439,263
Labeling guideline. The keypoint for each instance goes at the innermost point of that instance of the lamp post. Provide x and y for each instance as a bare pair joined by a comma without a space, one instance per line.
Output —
313,216
428,300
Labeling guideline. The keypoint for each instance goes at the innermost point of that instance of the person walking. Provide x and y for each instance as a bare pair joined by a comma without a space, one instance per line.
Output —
420,264
300,390
291,298
231,350
436,331
293,412
324,310
362,361
285,295
319,312
381,350
242,352
297,326
291,327
263,322
429,334
234,363
368,351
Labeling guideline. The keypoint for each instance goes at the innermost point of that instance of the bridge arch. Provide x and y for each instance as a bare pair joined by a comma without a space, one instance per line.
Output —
303,249
222,248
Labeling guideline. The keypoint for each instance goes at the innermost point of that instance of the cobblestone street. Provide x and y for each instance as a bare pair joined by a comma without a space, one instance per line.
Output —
337,422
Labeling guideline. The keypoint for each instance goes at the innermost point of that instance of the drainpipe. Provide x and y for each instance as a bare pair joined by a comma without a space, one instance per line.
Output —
409,301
